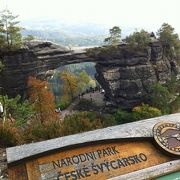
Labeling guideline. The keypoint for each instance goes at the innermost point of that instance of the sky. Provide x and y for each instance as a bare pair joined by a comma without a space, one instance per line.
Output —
148,14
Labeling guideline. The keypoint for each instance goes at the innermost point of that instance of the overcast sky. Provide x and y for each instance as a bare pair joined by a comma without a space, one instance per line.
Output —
129,13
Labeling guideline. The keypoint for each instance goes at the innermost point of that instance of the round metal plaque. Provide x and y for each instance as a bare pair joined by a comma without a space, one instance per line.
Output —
167,135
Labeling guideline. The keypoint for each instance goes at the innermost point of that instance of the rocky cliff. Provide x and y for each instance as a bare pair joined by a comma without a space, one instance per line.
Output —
127,75
124,73
35,59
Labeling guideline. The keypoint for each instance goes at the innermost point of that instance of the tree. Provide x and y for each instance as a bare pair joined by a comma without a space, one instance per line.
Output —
166,97
115,36
9,30
29,38
92,83
19,110
168,36
42,100
83,80
173,87
2,37
161,98
138,39
70,84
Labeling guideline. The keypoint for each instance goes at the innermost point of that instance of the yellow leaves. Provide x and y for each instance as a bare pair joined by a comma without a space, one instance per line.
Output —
84,77
145,107
92,83
146,111
65,100
137,109
70,84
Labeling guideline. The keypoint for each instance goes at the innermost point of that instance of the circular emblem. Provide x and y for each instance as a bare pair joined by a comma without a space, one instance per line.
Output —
167,135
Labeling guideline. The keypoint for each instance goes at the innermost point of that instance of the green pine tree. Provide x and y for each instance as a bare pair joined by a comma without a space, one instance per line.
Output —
10,35
115,36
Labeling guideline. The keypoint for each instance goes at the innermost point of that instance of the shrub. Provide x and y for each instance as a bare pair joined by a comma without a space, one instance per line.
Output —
145,111
80,122
161,98
42,131
122,116
108,120
9,135
175,105
20,111
167,97
72,124
62,106
64,102
139,112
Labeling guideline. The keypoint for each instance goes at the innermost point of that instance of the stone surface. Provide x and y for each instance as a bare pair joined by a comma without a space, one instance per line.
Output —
139,129
35,59
46,47
124,73
127,75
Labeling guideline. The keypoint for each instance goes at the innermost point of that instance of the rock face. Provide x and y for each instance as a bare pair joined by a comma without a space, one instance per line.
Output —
36,59
125,74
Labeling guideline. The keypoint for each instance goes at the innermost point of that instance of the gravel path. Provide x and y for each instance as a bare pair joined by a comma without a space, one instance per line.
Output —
96,97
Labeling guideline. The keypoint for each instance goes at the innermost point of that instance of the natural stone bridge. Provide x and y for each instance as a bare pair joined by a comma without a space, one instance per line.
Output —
35,59
125,74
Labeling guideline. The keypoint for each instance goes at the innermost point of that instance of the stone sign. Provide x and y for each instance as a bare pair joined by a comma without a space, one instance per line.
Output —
95,156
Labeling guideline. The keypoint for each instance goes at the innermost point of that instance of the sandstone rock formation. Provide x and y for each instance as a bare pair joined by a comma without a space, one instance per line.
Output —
35,59
125,74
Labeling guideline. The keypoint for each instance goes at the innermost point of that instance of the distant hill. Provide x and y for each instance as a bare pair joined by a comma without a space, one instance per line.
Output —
64,38
61,32
76,34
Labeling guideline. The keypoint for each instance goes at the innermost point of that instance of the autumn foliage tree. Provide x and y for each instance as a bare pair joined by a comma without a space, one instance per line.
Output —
42,100
70,87
83,81
73,85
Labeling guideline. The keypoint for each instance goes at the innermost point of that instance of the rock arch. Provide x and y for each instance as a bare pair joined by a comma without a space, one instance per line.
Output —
125,74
